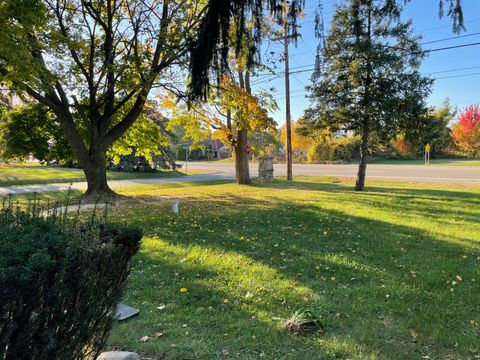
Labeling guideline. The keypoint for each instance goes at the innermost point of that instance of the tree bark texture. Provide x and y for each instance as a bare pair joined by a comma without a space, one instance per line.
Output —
362,167
242,172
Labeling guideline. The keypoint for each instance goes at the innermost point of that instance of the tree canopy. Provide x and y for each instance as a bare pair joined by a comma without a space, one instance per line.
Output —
466,131
94,64
210,50
32,130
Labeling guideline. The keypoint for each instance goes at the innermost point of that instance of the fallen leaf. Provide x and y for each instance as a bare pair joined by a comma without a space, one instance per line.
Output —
144,338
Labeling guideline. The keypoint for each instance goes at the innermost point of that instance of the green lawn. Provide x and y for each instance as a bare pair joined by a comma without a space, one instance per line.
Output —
449,162
37,174
393,271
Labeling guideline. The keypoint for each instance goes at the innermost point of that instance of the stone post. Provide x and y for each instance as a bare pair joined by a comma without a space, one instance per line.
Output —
265,169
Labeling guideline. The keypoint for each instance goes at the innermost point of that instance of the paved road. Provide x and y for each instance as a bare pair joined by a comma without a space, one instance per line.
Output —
226,171
419,173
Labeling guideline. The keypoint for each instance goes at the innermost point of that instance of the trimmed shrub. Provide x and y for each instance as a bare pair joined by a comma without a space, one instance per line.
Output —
336,150
60,283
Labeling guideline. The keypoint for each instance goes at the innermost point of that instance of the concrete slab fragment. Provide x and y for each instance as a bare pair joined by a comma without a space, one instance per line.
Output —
125,312
118,355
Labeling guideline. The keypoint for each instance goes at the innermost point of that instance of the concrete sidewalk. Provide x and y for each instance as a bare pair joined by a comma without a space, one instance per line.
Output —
219,175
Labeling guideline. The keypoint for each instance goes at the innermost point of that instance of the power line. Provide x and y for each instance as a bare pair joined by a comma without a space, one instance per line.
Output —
453,70
449,38
447,26
303,91
312,68
453,47
439,78
457,76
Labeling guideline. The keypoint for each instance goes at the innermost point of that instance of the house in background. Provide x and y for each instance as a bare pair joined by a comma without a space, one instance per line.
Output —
209,150
216,150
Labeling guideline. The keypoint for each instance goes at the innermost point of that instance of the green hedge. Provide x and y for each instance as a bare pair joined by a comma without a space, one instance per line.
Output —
60,282
337,150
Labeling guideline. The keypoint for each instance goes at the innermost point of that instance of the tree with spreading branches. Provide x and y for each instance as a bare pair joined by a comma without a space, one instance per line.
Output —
93,63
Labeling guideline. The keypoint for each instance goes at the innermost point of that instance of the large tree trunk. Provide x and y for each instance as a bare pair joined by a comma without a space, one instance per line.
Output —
92,159
362,167
96,173
242,172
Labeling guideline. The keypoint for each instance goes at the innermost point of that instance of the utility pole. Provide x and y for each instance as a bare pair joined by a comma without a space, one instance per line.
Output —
288,117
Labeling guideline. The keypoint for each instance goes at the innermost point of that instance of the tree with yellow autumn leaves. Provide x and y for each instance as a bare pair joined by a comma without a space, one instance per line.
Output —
231,113
300,143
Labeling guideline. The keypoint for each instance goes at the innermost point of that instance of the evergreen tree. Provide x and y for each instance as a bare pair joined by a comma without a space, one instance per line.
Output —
431,129
367,79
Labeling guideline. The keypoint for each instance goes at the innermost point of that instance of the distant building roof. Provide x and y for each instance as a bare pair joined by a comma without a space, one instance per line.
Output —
215,144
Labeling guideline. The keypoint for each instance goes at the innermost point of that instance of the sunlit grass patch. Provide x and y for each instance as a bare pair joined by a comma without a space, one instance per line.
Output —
392,272
12,175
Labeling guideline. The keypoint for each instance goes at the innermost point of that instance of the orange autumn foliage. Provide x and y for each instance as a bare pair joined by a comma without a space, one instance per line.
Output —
401,146
466,132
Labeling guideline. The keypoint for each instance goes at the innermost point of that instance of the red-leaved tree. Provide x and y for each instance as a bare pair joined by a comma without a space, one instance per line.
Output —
466,132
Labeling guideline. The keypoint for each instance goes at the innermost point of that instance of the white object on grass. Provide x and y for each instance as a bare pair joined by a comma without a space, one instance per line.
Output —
175,206
118,355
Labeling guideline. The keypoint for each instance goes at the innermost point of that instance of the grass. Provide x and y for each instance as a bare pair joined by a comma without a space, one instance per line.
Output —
11,175
441,162
393,272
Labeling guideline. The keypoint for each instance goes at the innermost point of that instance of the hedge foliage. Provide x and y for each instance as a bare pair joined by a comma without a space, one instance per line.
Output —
337,150
60,282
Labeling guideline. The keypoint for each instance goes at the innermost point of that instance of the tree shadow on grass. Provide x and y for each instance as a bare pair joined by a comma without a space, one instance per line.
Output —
392,289
327,183
435,203
208,318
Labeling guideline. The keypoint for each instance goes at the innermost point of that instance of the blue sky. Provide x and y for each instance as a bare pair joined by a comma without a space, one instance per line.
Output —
462,90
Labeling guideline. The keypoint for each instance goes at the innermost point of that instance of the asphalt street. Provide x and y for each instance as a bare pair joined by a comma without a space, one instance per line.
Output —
226,171
419,173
